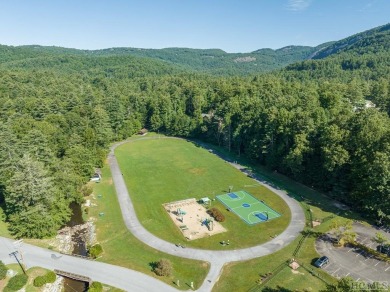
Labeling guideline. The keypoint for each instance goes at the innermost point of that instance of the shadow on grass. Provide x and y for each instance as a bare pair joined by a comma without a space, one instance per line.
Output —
313,261
153,266
277,289
312,233
303,194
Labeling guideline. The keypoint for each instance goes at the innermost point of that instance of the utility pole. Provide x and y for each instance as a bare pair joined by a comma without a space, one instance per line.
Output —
14,253
18,244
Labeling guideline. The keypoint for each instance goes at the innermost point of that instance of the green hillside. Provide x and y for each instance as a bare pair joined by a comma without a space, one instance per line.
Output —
211,61
323,122
372,41
362,56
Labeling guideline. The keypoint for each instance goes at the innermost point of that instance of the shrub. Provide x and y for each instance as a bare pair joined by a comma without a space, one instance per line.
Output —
39,281
16,283
95,287
49,277
163,268
86,190
216,214
376,254
95,251
3,270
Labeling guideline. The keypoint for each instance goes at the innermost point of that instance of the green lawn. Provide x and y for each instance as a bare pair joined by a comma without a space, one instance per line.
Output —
244,276
320,207
320,204
123,249
31,273
164,170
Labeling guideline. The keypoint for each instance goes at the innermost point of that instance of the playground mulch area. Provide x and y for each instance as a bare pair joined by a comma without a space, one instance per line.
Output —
247,207
191,217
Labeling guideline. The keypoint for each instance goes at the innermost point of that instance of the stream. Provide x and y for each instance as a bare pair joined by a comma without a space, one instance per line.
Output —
79,248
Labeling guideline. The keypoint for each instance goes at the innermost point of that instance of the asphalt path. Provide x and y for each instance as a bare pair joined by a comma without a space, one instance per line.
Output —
217,259
130,280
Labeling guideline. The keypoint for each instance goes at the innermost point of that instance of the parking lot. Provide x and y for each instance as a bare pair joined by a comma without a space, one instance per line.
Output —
366,233
348,261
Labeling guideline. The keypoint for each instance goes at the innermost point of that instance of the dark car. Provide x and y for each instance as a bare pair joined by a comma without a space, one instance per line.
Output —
385,249
322,261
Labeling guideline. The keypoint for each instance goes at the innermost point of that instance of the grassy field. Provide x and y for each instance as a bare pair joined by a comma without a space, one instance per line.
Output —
321,205
123,249
165,170
316,206
232,278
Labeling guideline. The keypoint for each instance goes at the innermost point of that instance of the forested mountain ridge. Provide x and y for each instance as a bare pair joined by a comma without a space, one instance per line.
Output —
371,41
211,61
363,56
310,121
218,62
103,66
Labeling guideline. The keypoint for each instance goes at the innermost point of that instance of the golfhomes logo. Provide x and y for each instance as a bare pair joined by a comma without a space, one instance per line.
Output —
377,286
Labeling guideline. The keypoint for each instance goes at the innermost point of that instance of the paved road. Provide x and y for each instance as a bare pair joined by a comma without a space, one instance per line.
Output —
216,258
130,280
116,276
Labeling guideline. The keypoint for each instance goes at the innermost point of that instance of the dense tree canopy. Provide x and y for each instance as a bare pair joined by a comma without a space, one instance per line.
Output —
322,122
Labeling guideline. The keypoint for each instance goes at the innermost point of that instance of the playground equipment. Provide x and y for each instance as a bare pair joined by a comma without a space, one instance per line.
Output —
209,223
180,212
205,201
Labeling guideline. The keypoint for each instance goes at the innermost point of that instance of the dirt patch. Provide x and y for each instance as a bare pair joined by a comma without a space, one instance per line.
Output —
192,220
294,265
197,171
316,223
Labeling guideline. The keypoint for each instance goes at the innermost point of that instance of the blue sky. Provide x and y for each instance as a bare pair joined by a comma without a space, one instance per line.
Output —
234,26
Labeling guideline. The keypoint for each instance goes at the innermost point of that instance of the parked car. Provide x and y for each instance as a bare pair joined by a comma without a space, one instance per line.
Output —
385,249
322,261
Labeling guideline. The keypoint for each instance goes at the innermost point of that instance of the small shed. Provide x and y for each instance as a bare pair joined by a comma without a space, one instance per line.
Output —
205,200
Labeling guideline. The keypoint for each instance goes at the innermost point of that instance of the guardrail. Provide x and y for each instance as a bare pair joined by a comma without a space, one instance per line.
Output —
73,276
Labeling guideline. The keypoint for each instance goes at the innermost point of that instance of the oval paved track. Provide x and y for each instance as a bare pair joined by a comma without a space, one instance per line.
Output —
216,258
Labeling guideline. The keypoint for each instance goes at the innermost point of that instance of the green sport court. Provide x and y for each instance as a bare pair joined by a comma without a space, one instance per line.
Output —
247,207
